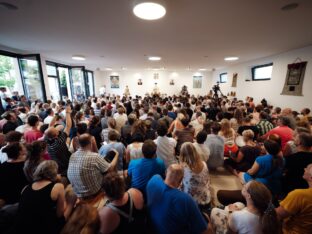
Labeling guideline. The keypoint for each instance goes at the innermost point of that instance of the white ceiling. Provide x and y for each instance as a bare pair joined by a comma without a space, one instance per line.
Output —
194,33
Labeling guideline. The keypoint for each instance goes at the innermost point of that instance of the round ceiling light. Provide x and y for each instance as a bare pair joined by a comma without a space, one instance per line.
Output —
154,58
79,57
231,58
149,10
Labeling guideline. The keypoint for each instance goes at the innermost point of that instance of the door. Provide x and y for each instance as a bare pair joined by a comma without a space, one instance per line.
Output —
32,77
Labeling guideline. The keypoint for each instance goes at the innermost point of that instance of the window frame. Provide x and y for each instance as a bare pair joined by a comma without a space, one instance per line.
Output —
220,79
253,69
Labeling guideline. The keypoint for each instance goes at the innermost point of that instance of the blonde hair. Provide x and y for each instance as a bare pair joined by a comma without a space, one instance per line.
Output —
189,155
226,128
248,135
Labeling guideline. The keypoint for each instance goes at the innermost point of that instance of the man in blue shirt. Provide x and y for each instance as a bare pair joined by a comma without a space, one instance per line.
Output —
171,210
141,170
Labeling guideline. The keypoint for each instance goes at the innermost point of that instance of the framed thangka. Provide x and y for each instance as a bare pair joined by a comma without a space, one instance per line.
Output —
294,79
114,82
197,82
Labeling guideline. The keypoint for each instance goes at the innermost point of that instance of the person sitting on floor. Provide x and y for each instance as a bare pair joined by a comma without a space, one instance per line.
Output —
171,210
296,209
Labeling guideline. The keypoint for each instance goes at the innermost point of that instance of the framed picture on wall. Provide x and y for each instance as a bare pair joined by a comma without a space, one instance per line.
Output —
171,82
114,82
197,82
234,80
295,73
140,82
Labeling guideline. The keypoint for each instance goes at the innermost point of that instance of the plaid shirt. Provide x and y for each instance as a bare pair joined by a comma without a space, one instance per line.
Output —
264,126
85,172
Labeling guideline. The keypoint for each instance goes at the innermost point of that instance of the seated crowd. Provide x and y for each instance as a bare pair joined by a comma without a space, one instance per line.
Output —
117,164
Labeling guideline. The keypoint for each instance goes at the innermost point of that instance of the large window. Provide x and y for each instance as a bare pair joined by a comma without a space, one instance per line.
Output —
262,72
66,91
223,77
10,77
90,82
53,82
77,75
32,77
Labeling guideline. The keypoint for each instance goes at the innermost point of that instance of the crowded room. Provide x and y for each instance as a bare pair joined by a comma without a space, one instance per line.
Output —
156,117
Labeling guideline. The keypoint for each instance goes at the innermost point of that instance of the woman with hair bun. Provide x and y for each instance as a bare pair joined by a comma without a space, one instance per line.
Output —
258,217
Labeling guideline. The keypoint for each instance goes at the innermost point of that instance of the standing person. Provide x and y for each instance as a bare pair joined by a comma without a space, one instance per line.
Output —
12,178
121,118
41,208
296,209
86,169
123,213
34,133
95,130
56,141
141,170
171,210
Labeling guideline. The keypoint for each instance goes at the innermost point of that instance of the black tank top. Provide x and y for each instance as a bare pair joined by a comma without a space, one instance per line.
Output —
37,211
136,225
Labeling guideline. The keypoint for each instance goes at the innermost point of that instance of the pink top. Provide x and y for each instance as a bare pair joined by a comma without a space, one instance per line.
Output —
32,135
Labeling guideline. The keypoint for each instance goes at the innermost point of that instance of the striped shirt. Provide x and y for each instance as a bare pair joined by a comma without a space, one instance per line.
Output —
264,126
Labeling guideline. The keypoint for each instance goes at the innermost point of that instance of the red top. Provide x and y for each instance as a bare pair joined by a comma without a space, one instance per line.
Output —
32,135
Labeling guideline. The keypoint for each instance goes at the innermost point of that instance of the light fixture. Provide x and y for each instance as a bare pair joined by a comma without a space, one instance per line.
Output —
154,58
231,58
202,69
108,69
149,9
79,57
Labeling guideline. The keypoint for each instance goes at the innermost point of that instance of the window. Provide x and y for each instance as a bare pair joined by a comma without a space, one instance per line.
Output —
223,77
262,72
51,70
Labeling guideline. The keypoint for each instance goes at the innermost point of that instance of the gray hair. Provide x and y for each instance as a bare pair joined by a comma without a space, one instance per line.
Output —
46,170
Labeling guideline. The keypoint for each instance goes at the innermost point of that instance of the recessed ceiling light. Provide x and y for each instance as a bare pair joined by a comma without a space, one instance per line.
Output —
79,57
231,58
154,58
8,6
149,9
202,69
108,69
290,6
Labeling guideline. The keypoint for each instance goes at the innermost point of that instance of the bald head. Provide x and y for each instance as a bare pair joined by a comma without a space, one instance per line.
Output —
84,140
51,132
174,175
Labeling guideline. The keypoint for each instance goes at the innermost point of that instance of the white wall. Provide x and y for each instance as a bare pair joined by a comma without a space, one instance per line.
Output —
271,89
130,78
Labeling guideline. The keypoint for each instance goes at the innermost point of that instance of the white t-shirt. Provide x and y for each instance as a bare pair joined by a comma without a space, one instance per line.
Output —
48,119
166,149
245,222
202,150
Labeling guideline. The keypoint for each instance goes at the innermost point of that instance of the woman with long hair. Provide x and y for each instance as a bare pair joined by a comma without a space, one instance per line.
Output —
196,181
267,169
95,130
35,155
228,135
258,217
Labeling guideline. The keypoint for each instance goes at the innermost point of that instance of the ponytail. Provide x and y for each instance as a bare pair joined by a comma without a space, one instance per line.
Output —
262,200
269,220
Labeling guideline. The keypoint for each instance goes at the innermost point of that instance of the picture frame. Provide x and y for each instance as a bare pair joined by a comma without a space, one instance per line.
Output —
197,82
140,82
114,82
294,73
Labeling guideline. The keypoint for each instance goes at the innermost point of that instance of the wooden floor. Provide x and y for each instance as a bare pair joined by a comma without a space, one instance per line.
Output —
221,179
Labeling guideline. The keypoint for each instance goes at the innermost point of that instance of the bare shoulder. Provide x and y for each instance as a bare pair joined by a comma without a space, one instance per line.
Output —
137,197
56,190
